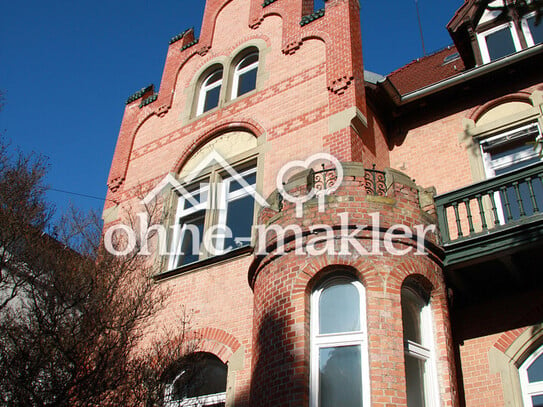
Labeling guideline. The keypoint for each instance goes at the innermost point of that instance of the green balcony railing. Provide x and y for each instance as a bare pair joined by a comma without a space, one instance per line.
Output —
503,202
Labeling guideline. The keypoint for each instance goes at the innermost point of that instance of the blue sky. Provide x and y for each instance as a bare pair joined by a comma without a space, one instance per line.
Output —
67,67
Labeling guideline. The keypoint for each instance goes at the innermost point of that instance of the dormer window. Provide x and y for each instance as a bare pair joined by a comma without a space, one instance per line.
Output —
485,31
210,91
498,42
532,32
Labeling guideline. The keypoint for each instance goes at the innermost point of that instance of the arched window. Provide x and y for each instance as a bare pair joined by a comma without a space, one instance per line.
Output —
205,229
199,381
339,366
210,91
212,214
420,374
245,72
531,379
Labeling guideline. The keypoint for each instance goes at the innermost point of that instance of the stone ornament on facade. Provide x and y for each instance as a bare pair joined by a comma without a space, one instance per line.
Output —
340,85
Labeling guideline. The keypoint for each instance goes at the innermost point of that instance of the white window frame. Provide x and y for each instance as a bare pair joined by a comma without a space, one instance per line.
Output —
526,29
338,339
530,389
182,213
481,39
206,87
424,351
215,197
225,196
490,166
238,72
200,401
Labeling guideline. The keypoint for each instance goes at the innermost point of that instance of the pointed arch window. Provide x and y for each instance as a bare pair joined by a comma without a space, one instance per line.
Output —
339,365
245,74
531,379
210,91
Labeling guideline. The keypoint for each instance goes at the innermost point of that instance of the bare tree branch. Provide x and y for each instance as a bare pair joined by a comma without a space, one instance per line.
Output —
72,315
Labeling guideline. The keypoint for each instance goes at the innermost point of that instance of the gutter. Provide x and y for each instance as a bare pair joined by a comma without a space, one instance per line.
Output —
476,72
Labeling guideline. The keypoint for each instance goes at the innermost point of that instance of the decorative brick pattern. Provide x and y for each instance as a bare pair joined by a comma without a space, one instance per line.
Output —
259,305
282,285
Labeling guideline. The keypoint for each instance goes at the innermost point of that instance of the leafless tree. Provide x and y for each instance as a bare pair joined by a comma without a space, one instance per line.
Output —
73,316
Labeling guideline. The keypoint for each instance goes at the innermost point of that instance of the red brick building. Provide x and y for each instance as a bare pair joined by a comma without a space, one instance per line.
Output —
348,297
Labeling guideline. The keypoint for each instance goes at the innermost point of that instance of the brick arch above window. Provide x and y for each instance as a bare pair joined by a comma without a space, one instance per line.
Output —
499,117
218,342
322,267
509,352
517,101
246,125
227,145
419,283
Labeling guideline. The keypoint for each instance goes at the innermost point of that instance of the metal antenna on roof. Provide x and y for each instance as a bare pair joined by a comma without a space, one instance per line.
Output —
420,28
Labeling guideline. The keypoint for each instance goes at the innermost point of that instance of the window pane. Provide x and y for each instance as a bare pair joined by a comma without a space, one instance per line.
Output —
204,376
535,371
411,319
339,309
537,401
191,239
215,77
251,59
212,98
500,44
414,376
199,196
340,377
212,379
536,30
247,81
249,178
239,219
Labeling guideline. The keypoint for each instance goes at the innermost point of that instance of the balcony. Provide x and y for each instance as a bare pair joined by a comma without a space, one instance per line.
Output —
496,215
492,236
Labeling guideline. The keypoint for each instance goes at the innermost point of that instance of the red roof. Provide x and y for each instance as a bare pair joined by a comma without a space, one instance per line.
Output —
426,71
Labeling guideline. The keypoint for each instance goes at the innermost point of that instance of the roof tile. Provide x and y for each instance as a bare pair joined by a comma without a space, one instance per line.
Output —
427,70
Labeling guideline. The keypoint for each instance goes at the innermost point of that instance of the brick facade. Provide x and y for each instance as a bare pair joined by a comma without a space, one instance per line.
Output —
253,311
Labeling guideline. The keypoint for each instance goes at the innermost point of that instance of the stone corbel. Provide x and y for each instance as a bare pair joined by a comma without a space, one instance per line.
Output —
426,198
